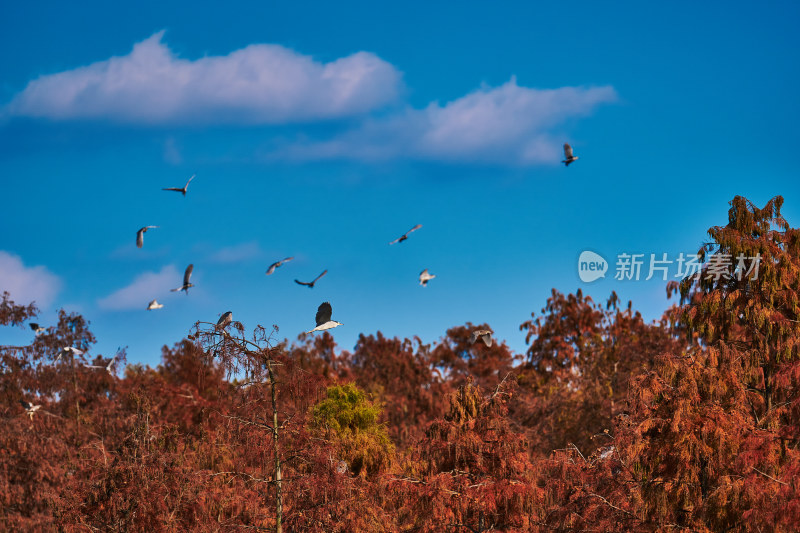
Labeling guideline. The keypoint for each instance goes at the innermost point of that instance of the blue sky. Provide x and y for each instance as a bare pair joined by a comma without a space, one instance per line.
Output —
324,131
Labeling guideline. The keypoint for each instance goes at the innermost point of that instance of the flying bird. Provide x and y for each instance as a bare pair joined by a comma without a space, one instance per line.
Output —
108,367
183,189
425,277
68,350
568,157
484,334
405,235
36,328
154,305
224,320
310,284
276,264
323,318
186,276
140,235
30,409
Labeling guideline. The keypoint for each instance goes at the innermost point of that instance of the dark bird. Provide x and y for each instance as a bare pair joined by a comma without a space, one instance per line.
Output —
323,318
425,277
568,157
140,235
30,409
310,284
224,320
484,334
183,189
276,264
36,328
186,276
405,235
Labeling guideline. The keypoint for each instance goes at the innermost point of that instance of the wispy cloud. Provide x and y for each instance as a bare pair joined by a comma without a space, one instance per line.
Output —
237,253
505,124
259,84
144,288
27,284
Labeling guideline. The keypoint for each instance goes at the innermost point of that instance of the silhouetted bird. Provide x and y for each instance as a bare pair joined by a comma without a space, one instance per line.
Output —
425,277
183,189
405,235
276,264
323,318
484,334
568,157
186,276
140,235
310,284
36,328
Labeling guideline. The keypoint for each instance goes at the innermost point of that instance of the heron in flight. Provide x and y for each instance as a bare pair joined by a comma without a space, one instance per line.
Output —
30,409
37,329
186,277
276,264
108,367
225,320
310,284
484,334
154,305
181,190
425,277
568,157
405,235
140,235
323,318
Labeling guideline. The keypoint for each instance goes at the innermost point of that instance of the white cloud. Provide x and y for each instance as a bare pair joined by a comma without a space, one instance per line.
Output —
27,284
506,124
259,84
144,288
237,253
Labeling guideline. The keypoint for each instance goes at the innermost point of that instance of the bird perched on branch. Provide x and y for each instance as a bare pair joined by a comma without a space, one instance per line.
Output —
276,264
225,320
568,157
140,235
310,284
181,190
484,334
186,277
323,318
405,235
425,277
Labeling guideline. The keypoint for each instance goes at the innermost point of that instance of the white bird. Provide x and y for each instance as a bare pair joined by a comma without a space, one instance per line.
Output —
30,409
186,276
310,284
108,367
224,320
154,305
484,334
323,318
425,277
37,329
140,235
68,350
276,264
405,235
181,190
568,157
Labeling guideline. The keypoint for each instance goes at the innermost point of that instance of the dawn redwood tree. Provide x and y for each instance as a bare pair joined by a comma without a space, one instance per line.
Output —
581,359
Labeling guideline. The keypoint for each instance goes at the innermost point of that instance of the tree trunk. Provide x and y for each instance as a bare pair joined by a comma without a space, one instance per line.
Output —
278,476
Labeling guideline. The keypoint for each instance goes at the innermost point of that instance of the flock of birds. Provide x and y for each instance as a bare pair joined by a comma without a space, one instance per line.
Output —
324,312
